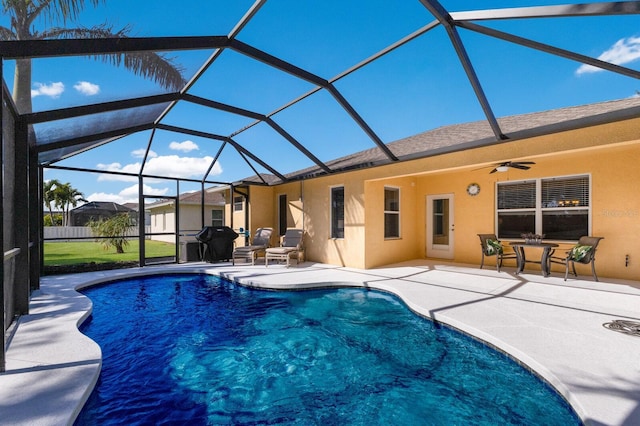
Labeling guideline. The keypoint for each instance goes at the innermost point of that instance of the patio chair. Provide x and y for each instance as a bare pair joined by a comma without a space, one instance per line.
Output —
491,246
584,252
261,241
290,248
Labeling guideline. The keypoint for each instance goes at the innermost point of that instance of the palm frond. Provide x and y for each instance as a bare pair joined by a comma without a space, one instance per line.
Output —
60,11
6,34
158,67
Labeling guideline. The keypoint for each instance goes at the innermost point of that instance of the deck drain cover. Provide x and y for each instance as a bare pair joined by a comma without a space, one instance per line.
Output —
623,326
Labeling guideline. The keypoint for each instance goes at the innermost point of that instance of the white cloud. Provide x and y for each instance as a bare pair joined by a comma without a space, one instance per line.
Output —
53,90
166,165
139,153
624,51
127,195
185,146
117,167
185,167
87,88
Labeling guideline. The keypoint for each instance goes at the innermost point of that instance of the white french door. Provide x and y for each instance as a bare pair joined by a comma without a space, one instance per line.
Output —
440,226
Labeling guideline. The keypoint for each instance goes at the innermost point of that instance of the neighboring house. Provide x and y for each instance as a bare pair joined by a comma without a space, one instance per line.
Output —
98,210
162,215
434,204
134,206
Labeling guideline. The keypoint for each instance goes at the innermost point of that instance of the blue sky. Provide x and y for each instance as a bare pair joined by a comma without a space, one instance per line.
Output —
418,87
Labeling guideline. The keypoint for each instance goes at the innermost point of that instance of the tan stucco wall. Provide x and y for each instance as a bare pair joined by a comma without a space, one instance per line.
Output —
319,245
294,212
609,153
382,251
261,210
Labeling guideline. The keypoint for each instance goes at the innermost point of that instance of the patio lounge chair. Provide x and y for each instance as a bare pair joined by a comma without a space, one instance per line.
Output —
491,246
261,241
584,252
291,247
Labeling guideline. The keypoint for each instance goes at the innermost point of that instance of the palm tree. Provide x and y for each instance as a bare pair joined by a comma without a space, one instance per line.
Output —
67,196
49,195
113,231
24,14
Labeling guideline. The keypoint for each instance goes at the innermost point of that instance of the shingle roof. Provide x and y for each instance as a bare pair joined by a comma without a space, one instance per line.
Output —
101,206
475,134
210,198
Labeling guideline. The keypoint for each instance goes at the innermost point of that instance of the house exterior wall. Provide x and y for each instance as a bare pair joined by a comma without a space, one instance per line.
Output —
261,211
163,220
294,212
319,246
607,153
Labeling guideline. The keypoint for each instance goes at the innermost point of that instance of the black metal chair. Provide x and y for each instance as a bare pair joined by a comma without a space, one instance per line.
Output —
584,252
491,246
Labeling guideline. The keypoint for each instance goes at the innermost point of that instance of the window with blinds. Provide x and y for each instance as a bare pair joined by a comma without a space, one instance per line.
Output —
558,208
217,217
337,212
238,203
565,192
391,212
517,195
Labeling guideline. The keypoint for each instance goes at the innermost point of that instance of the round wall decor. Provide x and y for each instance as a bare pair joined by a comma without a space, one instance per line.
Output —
473,189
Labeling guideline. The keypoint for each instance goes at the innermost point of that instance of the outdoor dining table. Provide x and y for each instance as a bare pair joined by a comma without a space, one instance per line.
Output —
521,258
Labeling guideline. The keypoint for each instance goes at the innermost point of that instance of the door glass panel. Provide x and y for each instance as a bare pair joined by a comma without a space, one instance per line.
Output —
440,229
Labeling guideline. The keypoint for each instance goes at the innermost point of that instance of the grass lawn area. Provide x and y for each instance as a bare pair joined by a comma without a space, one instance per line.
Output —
70,253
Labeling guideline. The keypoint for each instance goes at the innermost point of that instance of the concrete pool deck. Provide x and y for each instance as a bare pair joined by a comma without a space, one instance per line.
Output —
551,326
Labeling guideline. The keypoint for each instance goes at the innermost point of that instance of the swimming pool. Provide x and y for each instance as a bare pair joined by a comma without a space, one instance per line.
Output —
199,350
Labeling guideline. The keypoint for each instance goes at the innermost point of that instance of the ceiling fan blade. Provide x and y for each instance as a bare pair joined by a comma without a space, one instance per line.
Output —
519,166
493,171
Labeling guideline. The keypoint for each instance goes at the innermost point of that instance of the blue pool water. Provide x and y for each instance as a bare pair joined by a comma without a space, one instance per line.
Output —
193,349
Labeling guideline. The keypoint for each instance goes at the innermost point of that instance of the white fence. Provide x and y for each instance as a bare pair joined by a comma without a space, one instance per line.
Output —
71,232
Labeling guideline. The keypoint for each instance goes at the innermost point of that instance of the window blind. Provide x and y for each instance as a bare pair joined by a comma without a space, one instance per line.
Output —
566,192
519,195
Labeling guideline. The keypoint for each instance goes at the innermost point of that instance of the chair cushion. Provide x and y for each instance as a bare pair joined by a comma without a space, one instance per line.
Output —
579,252
249,248
281,250
494,247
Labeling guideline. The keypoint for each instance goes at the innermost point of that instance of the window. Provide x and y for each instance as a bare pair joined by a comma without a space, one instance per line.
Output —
558,208
337,212
282,214
238,203
217,217
391,212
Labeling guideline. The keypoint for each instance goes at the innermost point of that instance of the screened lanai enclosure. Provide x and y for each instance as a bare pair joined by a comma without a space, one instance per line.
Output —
129,103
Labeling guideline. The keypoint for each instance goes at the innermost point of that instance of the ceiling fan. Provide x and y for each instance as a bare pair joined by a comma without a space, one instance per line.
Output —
503,167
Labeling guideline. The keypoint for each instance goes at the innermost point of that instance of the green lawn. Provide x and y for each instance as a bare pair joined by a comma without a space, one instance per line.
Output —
70,253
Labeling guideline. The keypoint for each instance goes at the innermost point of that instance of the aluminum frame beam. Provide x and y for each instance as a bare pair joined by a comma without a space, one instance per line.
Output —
29,49
78,111
315,80
557,11
261,118
551,49
236,145
116,133
441,14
